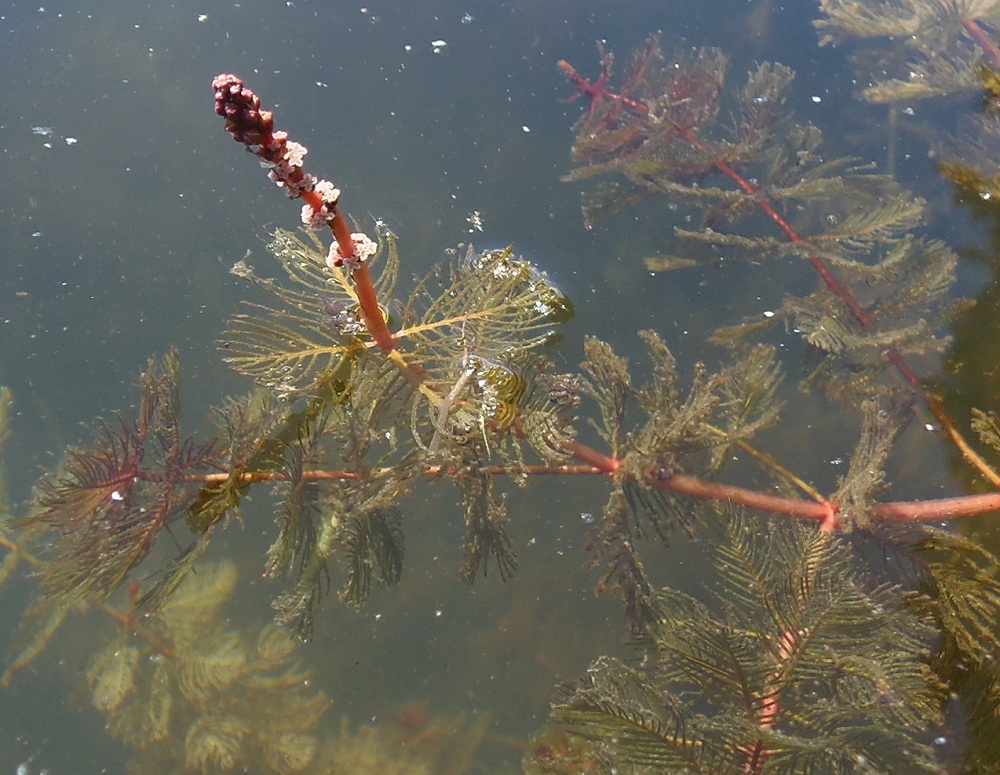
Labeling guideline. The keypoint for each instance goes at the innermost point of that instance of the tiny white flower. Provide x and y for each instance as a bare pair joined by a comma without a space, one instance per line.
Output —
328,191
295,153
315,219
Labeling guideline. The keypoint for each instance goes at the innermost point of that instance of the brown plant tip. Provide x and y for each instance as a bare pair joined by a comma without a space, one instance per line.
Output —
245,121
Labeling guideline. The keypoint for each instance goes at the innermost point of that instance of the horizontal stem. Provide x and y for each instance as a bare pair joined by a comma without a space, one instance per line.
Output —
596,464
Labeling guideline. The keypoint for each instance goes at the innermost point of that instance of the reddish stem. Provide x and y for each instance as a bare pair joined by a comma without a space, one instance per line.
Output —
597,464
254,128
596,90
371,312
983,40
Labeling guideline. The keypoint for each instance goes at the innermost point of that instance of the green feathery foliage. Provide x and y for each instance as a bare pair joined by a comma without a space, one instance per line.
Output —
465,393
194,696
672,433
112,500
791,661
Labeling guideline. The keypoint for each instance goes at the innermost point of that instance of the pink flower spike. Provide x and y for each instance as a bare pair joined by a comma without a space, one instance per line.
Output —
307,182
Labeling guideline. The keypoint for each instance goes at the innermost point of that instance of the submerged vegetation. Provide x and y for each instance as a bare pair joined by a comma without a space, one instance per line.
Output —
836,632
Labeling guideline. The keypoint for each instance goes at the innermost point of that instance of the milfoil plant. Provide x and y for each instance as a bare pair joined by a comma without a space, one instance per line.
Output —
839,630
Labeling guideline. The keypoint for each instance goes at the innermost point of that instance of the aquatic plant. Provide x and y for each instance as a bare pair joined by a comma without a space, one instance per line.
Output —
839,626
717,691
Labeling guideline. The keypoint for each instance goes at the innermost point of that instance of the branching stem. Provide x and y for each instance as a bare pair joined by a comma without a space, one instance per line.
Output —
596,464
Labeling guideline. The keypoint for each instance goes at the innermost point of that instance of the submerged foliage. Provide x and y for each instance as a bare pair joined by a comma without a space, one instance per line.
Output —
794,662
194,696
463,394
828,647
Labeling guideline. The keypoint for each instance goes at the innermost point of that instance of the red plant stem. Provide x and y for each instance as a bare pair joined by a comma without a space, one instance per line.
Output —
596,90
371,312
591,457
864,319
596,464
254,128
983,40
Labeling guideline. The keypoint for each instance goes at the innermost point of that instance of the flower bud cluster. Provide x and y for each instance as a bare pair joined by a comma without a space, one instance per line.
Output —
364,248
245,121
253,127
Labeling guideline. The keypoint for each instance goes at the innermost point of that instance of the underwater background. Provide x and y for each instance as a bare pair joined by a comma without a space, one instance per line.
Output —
124,204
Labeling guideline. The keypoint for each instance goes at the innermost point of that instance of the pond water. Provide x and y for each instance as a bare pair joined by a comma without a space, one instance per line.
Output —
124,204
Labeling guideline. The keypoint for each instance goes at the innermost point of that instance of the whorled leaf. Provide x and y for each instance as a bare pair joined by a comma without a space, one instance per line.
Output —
111,676
615,546
610,384
198,599
316,329
491,306
290,752
485,525
142,723
217,663
111,501
187,693
927,49
492,303
40,622
882,423
255,429
373,545
213,742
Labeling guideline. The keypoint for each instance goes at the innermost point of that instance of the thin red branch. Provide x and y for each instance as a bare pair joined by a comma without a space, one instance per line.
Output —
595,91
254,128
597,464
984,41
